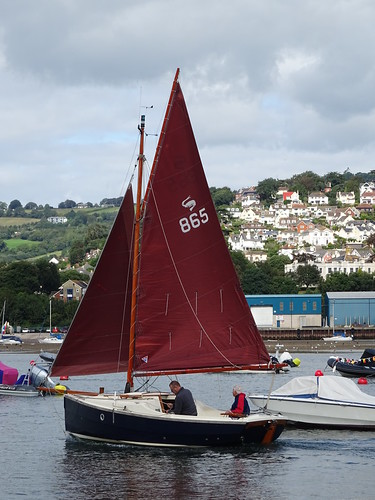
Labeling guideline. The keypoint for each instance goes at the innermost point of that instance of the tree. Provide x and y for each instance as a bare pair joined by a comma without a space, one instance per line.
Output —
48,211
283,285
48,276
267,190
116,202
307,275
272,247
221,196
256,280
14,204
31,206
67,204
371,240
96,232
240,263
19,277
335,179
77,252
306,182
70,274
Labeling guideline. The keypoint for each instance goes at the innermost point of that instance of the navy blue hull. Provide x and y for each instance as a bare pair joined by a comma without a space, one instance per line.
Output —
98,424
352,370
349,370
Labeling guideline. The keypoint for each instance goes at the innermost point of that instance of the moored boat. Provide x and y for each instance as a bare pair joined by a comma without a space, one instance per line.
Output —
6,333
362,367
338,337
34,382
13,385
164,300
53,339
23,390
321,402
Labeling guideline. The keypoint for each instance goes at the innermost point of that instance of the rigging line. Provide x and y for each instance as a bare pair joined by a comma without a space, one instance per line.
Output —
269,392
130,167
162,134
182,285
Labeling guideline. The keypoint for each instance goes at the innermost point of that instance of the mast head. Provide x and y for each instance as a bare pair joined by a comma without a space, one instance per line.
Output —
143,121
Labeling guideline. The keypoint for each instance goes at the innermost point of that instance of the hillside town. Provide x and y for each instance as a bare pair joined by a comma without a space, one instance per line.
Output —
333,238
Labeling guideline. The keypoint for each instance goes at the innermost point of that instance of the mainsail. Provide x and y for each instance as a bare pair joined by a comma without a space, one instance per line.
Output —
191,314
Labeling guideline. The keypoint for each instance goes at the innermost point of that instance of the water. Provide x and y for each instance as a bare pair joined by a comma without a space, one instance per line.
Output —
40,461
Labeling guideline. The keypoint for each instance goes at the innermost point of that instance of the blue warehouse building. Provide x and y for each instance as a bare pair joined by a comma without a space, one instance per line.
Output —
286,311
350,309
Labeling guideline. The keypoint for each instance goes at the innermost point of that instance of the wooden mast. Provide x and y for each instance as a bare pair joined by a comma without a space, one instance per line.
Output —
138,216
129,381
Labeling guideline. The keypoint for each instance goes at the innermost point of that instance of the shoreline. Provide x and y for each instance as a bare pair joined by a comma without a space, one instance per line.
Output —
295,347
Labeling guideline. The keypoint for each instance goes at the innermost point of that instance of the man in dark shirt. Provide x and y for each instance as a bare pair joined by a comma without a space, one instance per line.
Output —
184,402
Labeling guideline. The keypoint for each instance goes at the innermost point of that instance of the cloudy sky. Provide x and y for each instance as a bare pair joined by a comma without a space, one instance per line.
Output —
273,88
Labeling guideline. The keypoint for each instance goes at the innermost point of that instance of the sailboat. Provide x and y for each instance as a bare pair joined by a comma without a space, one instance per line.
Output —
6,338
53,338
164,300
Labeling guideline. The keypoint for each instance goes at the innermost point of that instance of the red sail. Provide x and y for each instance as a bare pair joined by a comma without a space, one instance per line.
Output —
192,313
98,339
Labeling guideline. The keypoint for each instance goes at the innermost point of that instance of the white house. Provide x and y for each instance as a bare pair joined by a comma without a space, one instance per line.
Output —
319,236
250,214
317,199
57,220
366,186
345,198
291,196
367,197
326,268
357,230
245,241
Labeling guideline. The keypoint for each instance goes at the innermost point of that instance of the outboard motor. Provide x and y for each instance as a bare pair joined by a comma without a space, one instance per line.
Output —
38,377
285,357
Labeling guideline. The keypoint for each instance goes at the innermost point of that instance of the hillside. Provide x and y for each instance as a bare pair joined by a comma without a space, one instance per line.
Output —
27,236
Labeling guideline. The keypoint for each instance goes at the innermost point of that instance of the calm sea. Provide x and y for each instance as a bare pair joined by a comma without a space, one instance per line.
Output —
39,461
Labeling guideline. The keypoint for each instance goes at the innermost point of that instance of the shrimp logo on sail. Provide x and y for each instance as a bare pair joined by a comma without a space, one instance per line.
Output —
195,219
189,203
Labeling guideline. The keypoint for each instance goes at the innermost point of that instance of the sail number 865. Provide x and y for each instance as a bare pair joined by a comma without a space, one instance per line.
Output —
194,220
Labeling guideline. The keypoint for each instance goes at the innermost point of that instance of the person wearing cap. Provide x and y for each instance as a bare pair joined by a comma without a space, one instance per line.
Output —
240,407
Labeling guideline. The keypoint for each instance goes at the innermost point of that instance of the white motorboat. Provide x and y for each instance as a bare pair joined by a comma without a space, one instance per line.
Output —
51,340
26,391
338,337
325,402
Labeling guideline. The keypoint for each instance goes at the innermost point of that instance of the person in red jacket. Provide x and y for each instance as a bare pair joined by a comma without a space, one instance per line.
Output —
240,407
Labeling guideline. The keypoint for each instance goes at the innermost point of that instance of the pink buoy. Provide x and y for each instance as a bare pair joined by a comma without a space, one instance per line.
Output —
362,381
319,373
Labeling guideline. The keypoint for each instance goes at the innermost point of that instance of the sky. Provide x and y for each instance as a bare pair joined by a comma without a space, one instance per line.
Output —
273,88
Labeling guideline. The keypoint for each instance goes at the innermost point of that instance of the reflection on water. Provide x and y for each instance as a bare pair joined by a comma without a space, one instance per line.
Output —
177,473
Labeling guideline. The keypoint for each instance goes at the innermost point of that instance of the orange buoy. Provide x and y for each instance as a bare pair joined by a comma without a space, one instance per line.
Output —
362,381
319,373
